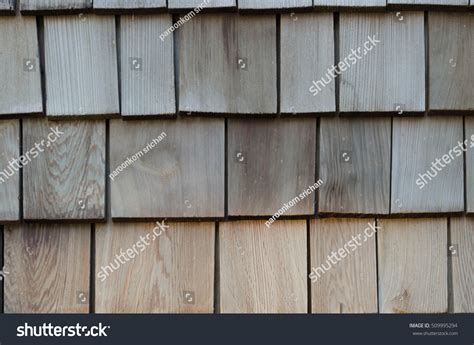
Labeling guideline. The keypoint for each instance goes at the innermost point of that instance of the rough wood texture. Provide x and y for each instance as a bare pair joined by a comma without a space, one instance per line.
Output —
451,47
174,273
412,265
128,4
47,5
469,132
270,162
263,270
9,174
81,65
391,73
307,51
237,66
67,180
182,176
147,67
350,3
48,268
462,260
177,4
354,163
276,4
422,179
349,285
20,89
7,6
429,2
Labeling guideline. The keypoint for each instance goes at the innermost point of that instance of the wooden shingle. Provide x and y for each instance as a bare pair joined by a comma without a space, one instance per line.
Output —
192,4
422,179
65,178
412,266
7,6
350,3
237,65
182,175
384,76
469,131
270,162
54,5
428,3
307,51
81,65
9,173
20,89
274,4
147,67
354,163
129,4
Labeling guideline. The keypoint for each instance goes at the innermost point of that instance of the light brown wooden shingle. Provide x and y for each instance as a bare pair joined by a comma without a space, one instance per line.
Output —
9,173
174,273
129,4
192,4
273,4
48,268
469,132
67,179
429,2
412,265
350,3
53,5
263,270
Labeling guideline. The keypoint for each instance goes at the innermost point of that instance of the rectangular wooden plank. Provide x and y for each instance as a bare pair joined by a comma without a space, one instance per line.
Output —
147,66
192,4
81,65
181,175
7,6
354,163
261,270
348,285
451,47
429,2
273,4
412,265
383,62
270,162
53,5
48,267
469,132
65,174
350,3
462,261
239,76
129,4
9,173
307,51
164,270
427,165
20,90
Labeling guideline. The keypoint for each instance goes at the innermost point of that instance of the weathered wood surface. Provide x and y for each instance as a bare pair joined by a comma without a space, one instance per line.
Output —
20,89
182,176
174,273
462,261
469,132
273,4
192,4
49,268
422,179
354,163
349,285
263,270
307,51
81,65
237,66
9,173
386,74
7,6
51,5
451,47
412,265
129,4
147,66
65,175
270,162
350,3
429,2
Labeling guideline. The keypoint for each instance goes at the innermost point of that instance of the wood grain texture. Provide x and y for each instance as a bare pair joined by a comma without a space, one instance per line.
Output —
178,261
182,176
191,4
47,5
129,4
7,6
412,265
9,174
273,4
307,51
451,47
469,132
429,2
349,285
270,162
20,90
221,84
462,236
263,270
67,180
391,73
422,180
147,66
350,3
49,268
81,65
354,163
